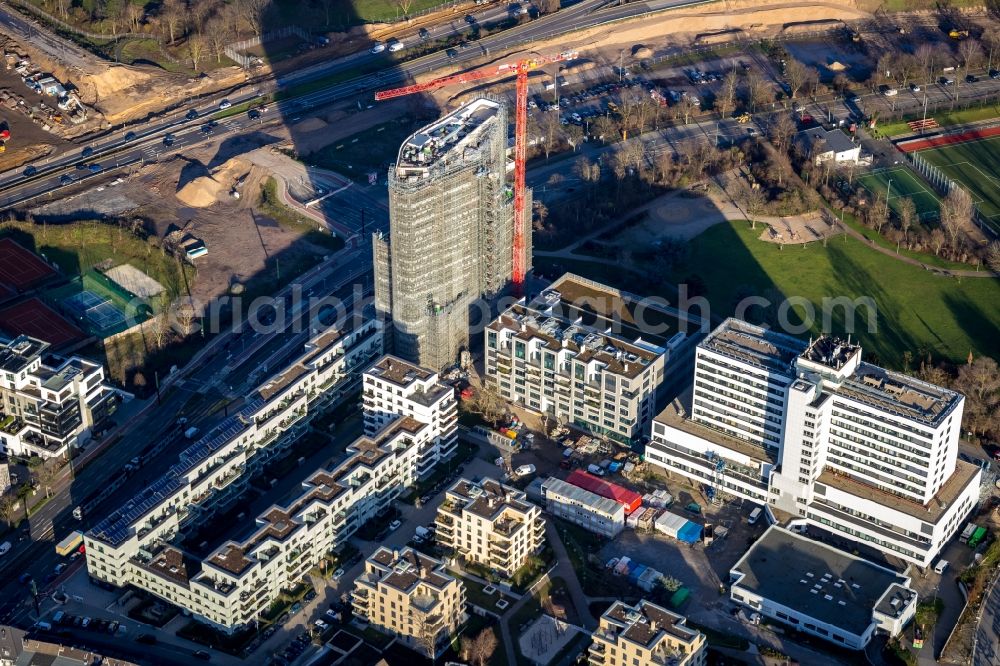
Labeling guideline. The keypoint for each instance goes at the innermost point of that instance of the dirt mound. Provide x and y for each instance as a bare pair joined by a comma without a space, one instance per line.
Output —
836,66
15,158
640,51
203,191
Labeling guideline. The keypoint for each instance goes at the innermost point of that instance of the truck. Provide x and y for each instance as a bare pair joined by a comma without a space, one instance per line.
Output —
70,543
191,432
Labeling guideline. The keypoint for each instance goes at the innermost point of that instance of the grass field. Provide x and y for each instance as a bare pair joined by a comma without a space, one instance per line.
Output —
900,182
918,311
976,165
943,118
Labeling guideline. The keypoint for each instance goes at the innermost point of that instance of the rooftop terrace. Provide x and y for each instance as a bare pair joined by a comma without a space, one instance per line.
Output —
643,623
900,394
447,139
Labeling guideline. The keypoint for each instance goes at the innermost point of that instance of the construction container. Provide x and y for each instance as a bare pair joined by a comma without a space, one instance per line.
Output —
630,499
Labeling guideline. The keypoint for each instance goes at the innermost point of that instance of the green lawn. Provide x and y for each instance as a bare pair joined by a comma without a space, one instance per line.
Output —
943,118
976,165
918,311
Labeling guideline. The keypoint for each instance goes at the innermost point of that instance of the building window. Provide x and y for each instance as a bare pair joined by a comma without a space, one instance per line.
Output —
491,339
519,349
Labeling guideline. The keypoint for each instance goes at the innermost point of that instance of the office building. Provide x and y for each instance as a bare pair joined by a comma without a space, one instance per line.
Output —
588,510
410,595
451,233
490,524
394,388
585,354
49,403
645,635
820,590
150,542
812,430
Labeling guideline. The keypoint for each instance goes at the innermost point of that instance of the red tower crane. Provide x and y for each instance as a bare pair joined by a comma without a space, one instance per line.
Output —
519,69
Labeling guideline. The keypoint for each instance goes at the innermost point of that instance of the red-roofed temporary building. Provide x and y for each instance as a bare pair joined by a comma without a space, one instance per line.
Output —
630,499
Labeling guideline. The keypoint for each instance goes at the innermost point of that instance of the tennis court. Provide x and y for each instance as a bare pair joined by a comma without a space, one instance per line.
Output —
976,166
900,182
21,268
35,318
98,305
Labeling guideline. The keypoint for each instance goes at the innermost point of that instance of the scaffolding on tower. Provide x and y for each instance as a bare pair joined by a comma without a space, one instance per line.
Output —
520,70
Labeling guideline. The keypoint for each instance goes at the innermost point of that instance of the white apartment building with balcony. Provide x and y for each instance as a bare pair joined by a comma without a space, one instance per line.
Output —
410,595
491,524
49,404
812,430
143,544
583,354
393,388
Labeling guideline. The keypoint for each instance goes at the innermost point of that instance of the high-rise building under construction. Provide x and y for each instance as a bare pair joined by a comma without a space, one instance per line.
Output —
450,248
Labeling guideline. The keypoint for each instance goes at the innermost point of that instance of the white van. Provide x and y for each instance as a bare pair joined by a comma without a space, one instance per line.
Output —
44,626
754,516
940,566
4,547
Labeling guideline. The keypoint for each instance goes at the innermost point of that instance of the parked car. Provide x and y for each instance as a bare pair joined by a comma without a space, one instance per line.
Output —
394,525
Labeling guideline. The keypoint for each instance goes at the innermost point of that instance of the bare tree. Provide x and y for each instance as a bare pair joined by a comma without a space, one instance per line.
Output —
196,45
759,91
938,241
489,403
47,473
956,213
782,130
219,35
993,256
253,14
404,6
588,171
797,75
134,14
971,53
172,16
606,128
478,650
907,212
547,6
8,505
549,126
727,94
753,200
62,7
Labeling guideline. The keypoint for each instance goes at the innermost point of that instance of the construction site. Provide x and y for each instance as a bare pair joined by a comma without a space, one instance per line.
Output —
451,234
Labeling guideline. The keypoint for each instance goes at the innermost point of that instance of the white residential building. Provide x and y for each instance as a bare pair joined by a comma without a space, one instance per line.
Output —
815,432
49,403
490,524
144,543
410,595
588,510
584,354
820,590
394,388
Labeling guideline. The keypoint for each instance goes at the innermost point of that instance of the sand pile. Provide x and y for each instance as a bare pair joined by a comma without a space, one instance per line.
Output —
836,66
201,192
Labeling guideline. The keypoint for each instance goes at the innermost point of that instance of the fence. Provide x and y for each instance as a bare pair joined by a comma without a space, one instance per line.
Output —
234,49
29,8
945,185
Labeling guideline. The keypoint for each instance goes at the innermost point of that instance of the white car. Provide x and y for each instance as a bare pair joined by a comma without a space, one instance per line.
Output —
914,87
5,547
395,46
224,104
394,525
378,48
338,574
525,470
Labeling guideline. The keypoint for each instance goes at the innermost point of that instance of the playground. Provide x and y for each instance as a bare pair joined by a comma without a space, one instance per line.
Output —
545,638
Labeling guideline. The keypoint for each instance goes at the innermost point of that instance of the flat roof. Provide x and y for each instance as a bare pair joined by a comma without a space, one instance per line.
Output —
403,569
964,473
645,623
677,414
488,498
755,345
448,138
899,394
815,579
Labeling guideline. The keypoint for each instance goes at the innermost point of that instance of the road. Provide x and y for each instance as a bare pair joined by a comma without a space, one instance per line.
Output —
115,152
986,645
19,27
198,396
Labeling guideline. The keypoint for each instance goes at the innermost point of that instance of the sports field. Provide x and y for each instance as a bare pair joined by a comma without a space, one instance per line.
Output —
97,304
900,182
976,165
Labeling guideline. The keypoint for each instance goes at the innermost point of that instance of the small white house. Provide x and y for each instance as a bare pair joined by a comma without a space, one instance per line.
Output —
833,145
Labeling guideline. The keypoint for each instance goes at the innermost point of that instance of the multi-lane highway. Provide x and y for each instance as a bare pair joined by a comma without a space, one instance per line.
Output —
145,141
